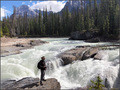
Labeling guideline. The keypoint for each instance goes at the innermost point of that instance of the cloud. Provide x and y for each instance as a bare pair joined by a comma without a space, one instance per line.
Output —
30,1
54,6
28,5
4,12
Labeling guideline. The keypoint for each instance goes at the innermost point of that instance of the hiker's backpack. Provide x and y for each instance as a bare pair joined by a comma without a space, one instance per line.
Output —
38,65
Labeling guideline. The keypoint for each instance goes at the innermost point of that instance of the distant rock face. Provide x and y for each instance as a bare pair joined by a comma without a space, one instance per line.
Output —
73,5
22,10
31,83
76,4
25,9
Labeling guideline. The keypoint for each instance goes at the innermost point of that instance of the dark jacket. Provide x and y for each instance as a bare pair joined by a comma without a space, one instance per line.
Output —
42,65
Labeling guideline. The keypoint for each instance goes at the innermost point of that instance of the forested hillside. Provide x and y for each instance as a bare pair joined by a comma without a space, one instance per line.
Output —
100,17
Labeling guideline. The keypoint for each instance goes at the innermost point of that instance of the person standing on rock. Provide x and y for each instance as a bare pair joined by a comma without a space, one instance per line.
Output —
42,66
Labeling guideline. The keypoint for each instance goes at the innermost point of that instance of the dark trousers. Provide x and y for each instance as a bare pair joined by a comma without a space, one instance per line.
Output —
42,75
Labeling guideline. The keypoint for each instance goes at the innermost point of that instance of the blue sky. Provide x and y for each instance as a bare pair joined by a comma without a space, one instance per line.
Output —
7,6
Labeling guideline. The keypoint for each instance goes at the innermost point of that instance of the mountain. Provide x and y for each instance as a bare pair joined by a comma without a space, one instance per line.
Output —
71,5
76,4
25,9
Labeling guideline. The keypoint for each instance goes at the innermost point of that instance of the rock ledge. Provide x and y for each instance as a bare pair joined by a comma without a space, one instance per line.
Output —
31,83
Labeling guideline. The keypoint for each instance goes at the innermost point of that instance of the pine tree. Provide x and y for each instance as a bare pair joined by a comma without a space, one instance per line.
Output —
13,32
1,32
45,21
80,24
90,6
107,25
103,17
40,22
95,13
97,84
5,30
87,20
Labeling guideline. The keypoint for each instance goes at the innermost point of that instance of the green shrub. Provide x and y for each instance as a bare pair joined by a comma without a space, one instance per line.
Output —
1,32
97,84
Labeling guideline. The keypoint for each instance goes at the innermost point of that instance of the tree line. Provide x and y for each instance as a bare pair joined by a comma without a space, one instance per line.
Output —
102,17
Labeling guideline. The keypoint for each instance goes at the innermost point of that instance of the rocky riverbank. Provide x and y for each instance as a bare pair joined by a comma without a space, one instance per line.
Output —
93,37
30,84
10,46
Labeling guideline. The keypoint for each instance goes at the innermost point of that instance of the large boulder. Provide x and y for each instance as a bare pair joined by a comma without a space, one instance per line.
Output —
94,40
31,83
75,35
82,35
90,53
71,55
99,55
68,59
80,53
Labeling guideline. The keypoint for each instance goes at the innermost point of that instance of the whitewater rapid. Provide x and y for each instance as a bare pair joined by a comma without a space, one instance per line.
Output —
77,74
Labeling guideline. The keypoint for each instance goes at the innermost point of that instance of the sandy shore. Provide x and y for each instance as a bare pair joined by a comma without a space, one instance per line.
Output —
12,41
10,46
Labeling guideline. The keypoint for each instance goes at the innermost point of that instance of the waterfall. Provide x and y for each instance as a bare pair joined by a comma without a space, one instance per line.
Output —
77,74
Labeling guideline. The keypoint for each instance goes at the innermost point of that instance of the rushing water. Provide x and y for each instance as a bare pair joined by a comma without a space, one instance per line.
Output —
77,74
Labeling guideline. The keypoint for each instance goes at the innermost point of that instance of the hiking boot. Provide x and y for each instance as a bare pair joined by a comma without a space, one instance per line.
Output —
44,80
41,83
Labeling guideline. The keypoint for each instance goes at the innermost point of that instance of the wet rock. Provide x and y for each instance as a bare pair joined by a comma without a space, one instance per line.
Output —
90,53
68,59
83,53
31,83
98,56
82,46
107,84
36,42
78,53
71,55
19,45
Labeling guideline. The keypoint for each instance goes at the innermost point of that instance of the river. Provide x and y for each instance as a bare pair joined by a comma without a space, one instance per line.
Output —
77,74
